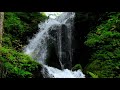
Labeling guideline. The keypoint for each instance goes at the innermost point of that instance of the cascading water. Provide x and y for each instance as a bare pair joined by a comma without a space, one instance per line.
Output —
59,32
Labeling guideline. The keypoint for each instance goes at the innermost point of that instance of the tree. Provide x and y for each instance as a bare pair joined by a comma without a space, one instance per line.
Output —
1,26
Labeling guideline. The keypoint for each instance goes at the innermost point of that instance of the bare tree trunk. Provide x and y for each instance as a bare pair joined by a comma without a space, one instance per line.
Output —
1,26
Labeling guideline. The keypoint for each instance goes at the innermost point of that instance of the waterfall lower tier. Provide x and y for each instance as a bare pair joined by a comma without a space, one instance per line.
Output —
54,39
50,72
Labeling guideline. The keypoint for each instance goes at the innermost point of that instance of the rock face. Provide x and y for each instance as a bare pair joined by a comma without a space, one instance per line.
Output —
60,45
53,42
84,23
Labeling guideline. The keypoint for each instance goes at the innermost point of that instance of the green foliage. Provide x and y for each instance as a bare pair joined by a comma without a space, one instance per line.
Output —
104,43
14,71
16,26
93,75
7,40
30,17
17,64
13,24
105,69
19,26
104,31
76,67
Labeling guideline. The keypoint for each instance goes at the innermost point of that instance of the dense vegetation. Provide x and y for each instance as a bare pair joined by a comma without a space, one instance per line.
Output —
14,64
104,43
18,28
96,42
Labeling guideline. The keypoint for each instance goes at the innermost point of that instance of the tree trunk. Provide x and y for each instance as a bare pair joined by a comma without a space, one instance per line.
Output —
1,26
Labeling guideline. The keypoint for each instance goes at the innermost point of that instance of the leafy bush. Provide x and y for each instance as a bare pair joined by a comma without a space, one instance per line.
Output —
7,40
104,44
19,25
13,24
16,64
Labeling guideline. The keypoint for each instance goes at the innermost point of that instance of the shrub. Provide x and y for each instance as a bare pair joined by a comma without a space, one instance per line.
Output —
104,44
19,25
17,64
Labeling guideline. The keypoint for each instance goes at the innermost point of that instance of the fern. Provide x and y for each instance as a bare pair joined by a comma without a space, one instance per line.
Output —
93,75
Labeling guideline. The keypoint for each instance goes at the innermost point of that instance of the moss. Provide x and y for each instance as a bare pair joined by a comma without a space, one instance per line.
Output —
17,64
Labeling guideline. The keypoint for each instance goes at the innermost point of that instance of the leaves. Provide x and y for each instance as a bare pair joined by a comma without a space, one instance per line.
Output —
105,41
93,75
17,64
18,25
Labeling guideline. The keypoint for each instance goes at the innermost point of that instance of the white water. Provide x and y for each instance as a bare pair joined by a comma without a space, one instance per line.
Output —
37,47
65,73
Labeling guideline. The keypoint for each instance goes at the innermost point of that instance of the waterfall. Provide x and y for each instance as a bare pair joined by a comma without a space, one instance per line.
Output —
57,32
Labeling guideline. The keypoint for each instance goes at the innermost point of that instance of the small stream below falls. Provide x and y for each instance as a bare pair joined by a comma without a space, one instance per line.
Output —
57,32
